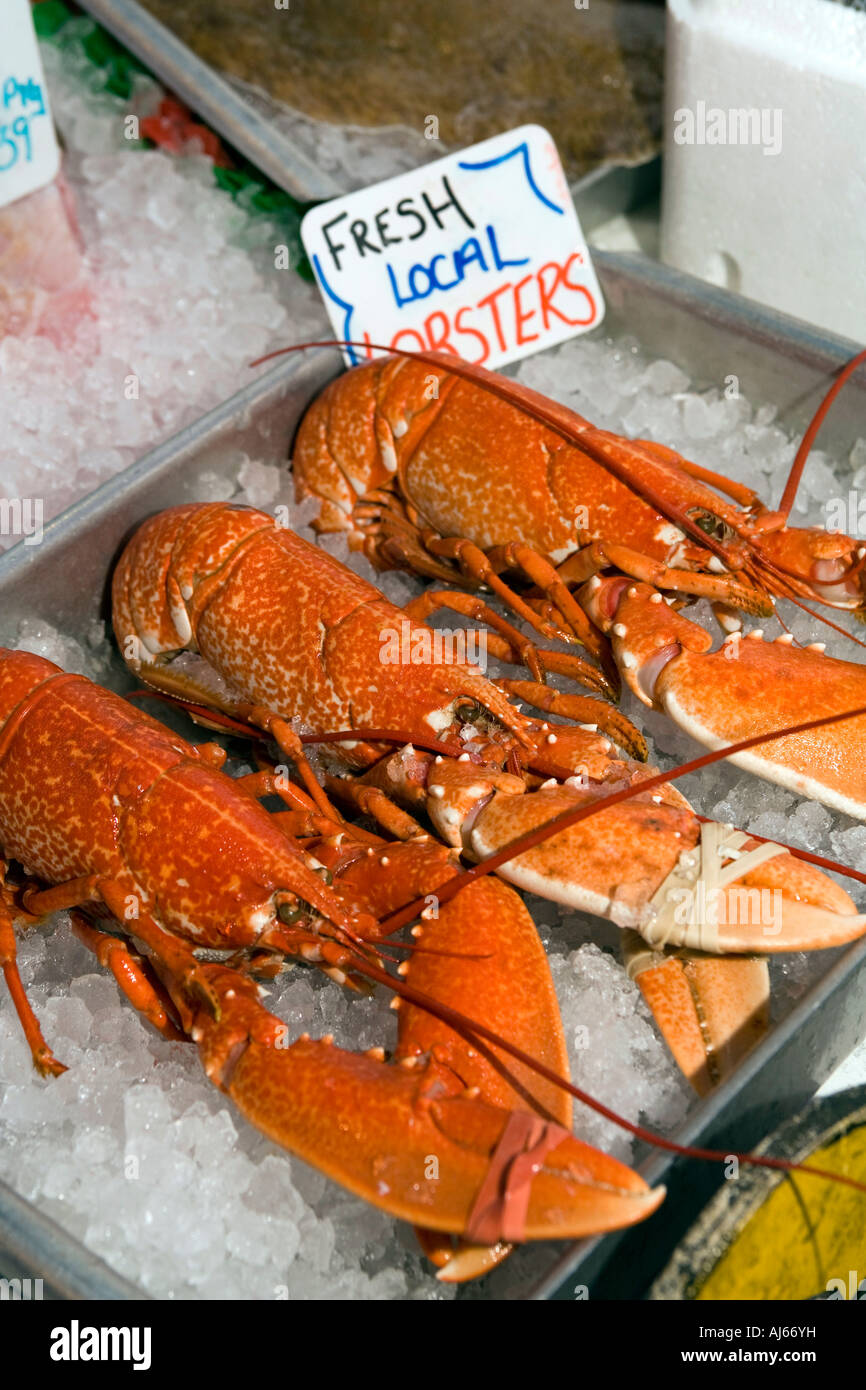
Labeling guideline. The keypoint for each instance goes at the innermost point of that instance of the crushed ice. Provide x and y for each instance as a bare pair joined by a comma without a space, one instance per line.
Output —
183,293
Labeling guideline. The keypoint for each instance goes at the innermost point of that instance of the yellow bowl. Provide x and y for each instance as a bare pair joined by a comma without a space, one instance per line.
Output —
767,1235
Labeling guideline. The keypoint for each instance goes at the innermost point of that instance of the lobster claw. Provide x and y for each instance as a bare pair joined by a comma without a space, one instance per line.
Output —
409,1138
711,1010
474,950
703,886
702,889
468,954
745,688
680,883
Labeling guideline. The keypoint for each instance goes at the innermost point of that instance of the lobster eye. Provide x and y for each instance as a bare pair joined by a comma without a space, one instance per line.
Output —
711,525
290,913
471,713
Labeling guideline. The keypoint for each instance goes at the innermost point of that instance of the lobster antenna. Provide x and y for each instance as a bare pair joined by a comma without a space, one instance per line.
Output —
202,714
472,1031
822,618
809,437
450,747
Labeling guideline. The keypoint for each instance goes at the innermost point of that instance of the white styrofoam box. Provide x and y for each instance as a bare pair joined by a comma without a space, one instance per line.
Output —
778,211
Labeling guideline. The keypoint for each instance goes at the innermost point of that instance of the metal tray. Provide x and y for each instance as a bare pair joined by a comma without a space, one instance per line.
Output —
711,334
247,127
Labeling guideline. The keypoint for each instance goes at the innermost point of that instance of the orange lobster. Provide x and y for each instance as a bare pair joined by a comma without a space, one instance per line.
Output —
219,607
437,466
113,811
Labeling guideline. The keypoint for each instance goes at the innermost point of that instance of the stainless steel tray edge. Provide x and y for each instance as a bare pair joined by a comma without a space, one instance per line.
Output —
32,1246
661,305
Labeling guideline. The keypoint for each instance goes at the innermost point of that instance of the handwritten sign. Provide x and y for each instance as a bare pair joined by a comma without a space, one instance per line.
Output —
29,157
480,253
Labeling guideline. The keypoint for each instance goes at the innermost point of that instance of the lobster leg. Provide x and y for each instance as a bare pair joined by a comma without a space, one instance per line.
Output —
476,566
43,1058
518,646
580,708
129,972
303,812
546,577
483,569
372,801
63,897
109,950
177,956
404,552
721,588
513,647
289,743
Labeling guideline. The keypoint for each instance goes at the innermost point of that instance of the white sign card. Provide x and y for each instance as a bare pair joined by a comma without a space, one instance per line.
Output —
29,156
480,254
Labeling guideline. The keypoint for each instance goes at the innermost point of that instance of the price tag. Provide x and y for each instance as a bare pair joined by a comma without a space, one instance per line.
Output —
480,254
29,157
